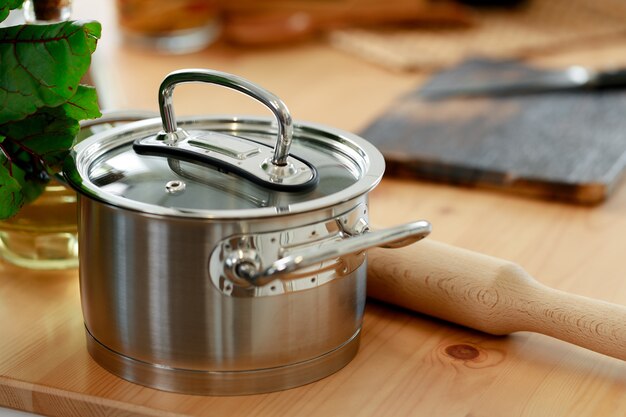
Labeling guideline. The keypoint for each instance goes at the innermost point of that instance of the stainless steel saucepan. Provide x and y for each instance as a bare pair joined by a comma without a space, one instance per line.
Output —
225,255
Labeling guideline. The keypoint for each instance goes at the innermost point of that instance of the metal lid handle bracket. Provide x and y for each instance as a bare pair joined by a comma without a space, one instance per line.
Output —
269,166
275,104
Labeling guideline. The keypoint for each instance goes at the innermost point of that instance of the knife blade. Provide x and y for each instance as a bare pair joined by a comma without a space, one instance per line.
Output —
571,78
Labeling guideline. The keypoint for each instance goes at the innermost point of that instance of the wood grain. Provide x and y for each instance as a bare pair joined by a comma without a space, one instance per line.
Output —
409,364
491,295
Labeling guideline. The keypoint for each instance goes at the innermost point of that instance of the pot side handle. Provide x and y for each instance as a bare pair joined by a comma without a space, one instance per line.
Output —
393,237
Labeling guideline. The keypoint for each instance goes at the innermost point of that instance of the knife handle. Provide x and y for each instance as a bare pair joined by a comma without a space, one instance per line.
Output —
610,79
491,295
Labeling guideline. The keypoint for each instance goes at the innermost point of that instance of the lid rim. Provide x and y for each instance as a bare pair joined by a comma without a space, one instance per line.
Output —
235,214
76,170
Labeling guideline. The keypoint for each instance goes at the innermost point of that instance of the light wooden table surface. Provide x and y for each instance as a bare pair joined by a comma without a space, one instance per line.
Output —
402,367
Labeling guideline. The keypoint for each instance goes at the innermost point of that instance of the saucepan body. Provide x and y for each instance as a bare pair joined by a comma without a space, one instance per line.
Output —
197,278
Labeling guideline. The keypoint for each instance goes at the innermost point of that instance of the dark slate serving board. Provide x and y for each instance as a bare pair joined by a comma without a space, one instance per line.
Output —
561,145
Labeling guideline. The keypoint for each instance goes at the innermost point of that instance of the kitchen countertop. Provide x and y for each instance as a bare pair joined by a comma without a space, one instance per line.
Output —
403,367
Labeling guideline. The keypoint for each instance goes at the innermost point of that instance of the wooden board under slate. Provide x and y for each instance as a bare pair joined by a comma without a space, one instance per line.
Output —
562,145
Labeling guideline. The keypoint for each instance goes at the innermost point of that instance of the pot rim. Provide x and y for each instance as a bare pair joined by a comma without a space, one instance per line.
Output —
76,167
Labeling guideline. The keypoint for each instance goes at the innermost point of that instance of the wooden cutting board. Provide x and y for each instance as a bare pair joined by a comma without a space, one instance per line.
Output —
536,27
560,145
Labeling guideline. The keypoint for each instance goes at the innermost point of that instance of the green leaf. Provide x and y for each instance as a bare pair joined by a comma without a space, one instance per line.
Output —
34,147
41,102
84,104
7,5
42,65
10,192
42,139
15,190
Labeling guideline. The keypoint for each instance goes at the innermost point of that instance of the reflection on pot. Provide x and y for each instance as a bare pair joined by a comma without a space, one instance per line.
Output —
43,234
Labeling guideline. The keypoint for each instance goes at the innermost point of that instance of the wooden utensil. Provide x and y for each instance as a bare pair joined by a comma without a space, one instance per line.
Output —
491,295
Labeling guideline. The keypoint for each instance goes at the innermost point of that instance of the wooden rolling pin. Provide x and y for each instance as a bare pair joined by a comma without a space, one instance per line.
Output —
491,295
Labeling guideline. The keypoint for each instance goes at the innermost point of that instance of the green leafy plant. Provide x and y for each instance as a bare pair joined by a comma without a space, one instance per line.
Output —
41,101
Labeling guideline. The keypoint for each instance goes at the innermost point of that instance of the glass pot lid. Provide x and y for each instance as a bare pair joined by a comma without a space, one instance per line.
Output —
223,167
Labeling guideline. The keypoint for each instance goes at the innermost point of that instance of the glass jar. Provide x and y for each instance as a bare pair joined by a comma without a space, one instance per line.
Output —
47,10
43,234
